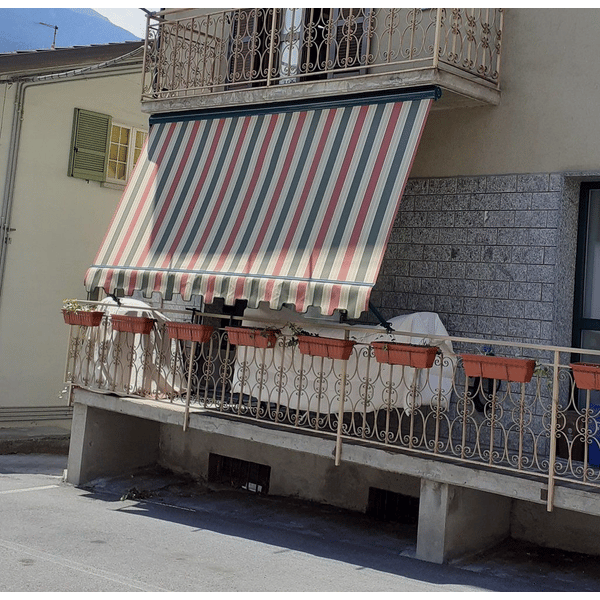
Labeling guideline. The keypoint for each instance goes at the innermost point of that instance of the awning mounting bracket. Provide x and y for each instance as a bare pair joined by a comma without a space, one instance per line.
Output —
382,321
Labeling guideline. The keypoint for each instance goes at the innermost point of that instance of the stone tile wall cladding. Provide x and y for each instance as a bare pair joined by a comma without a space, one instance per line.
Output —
482,253
493,255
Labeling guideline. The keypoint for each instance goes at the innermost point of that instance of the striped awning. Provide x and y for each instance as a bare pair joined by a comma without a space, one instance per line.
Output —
287,206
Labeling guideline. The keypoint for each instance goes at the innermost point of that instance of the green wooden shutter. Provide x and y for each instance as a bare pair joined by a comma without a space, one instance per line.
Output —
89,145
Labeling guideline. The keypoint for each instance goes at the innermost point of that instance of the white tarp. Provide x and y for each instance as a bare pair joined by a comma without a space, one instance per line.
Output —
119,364
281,383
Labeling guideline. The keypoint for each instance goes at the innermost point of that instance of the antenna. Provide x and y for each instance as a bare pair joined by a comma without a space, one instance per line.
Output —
55,27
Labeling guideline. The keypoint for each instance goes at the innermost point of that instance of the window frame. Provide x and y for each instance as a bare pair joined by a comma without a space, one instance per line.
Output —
131,147
582,324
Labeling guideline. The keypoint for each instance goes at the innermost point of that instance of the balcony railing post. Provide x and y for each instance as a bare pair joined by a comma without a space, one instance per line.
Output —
438,33
412,405
366,396
553,432
261,372
493,419
175,361
464,418
280,378
272,46
102,345
338,440
522,424
438,408
209,371
146,49
500,29
188,391
244,371
586,435
68,359
485,41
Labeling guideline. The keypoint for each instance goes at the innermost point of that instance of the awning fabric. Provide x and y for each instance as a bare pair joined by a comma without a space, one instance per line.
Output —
288,206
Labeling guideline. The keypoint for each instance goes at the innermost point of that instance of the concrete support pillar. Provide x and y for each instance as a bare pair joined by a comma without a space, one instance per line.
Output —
454,521
105,443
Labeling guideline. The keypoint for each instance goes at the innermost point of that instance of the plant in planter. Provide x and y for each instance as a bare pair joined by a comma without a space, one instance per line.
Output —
78,313
314,345
193,332
498,367
410,355
252,336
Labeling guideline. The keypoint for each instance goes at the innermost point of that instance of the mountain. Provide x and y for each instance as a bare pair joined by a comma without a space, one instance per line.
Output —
24,29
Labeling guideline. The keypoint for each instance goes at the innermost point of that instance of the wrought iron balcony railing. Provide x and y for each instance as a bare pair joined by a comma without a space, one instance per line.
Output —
546,427
190,53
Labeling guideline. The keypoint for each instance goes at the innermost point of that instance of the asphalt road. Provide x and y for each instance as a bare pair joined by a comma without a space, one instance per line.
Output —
157,533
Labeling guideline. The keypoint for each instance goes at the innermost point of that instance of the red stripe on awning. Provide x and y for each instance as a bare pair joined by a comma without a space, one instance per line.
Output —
299,216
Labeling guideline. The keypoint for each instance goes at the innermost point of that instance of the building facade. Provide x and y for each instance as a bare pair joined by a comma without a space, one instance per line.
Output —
343,169
50,218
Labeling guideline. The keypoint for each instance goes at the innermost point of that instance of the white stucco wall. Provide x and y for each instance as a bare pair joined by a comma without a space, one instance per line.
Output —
547,120
59,223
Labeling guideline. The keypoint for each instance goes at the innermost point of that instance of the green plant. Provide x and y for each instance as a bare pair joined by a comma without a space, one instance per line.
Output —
296,331
73,305
81,313
543,372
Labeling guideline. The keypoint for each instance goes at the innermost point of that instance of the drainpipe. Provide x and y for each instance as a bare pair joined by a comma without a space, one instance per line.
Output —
105,69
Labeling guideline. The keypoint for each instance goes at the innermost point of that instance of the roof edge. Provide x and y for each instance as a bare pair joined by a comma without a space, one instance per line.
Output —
28,63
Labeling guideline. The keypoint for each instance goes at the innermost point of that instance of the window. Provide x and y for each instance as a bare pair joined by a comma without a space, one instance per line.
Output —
102,150
125,147
586,313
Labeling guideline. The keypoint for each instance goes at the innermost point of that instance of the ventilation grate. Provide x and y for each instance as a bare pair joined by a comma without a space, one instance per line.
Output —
391,506
239,473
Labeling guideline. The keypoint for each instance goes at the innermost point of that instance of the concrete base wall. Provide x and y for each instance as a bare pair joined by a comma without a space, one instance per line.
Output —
294,474
105,443
454,521
564,529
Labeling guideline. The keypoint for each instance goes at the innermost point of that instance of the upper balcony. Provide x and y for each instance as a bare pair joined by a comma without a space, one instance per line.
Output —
197,59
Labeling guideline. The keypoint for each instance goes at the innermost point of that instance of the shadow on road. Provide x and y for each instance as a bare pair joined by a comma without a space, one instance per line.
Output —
340,535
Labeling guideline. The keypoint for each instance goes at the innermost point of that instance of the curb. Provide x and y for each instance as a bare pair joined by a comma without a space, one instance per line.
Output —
35,444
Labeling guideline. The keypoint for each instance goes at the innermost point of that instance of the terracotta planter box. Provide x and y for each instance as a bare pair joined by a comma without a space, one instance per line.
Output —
84,318
128,324
192,332
587,375
326,347
252,336
498,367
409,355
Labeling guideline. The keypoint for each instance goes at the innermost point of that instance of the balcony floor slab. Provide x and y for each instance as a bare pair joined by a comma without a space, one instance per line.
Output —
439,469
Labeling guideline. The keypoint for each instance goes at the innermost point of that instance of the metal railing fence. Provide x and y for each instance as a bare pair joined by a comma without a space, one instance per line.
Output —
190,52
547,427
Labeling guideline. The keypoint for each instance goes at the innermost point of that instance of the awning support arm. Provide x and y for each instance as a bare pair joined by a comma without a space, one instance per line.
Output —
382,321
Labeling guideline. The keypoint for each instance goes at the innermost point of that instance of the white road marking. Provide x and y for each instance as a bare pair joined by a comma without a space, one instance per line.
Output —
82,568
33,489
